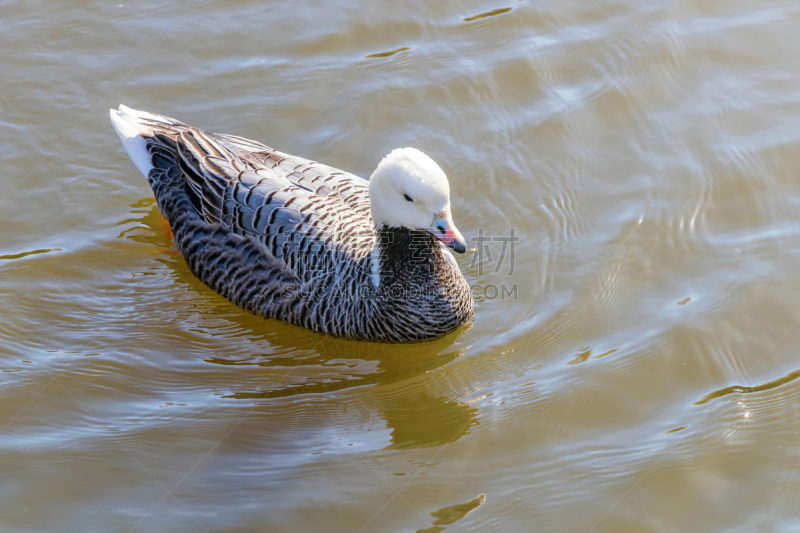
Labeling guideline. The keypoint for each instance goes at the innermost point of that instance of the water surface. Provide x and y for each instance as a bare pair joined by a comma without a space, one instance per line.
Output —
642,376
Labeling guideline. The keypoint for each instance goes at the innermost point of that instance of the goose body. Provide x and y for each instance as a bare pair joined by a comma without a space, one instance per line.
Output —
303,242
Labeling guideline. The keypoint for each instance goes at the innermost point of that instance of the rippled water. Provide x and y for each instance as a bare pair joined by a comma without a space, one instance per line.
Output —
643,379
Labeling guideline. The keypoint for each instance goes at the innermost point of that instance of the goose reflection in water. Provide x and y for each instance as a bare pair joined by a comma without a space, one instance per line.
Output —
304,364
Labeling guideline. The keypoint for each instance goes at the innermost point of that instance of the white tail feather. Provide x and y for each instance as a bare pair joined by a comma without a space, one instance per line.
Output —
126,122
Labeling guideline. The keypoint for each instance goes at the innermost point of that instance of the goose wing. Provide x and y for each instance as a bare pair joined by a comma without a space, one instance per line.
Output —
308,215
320,179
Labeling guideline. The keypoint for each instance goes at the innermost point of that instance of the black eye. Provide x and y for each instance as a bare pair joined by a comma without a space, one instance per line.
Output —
407,197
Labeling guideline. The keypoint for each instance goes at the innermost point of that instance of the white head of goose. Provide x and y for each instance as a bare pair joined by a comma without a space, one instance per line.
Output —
409,190
303,242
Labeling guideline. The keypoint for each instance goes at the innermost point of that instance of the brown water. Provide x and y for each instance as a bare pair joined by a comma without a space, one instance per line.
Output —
643,379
